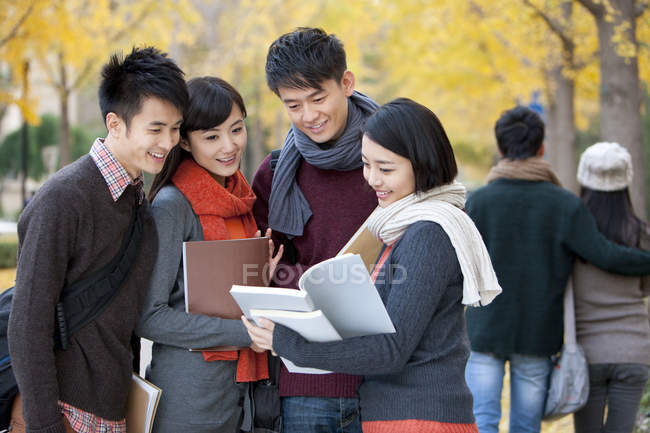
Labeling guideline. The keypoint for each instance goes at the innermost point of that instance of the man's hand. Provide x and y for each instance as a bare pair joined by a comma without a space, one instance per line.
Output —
68,427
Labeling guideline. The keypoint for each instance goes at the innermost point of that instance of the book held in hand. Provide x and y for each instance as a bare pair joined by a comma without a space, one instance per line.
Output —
212,267
365,244
142,404
340,289
313,326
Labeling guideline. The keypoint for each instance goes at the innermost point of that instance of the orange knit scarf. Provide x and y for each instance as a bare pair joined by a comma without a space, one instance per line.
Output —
215,205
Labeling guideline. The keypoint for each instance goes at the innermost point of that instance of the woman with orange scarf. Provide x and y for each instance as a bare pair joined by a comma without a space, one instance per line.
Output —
200,194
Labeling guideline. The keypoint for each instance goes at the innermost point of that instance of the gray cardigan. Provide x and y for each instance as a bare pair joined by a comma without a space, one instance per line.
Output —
611,317
198,396
419,371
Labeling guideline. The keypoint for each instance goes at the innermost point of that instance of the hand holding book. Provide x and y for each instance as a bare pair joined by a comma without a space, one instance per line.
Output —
261,335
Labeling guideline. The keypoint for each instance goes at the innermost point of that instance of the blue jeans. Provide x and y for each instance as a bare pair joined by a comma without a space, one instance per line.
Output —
617,387
528,387
320,415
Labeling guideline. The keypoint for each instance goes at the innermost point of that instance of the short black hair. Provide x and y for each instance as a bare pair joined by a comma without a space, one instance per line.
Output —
211,101
304,59
519,133
413,131
145,72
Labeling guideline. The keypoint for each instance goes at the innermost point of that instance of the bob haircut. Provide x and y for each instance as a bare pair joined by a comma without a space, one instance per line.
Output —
145,72
210,104
519,133
304,59
413,131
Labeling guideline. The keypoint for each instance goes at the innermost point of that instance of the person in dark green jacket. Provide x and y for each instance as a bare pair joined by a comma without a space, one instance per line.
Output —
533,229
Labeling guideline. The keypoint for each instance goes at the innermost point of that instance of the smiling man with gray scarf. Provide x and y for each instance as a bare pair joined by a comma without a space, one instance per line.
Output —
315,199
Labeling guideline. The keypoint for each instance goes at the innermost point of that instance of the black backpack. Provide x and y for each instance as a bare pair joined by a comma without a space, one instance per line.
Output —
79,304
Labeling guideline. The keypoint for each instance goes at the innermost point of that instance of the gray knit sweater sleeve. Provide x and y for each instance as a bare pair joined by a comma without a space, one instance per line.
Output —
425,267
164,319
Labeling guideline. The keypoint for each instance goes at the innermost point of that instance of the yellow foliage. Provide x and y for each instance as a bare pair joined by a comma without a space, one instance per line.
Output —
69,39
467,61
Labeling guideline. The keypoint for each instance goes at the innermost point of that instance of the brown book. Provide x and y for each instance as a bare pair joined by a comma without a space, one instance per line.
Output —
141,405
364,244
212,267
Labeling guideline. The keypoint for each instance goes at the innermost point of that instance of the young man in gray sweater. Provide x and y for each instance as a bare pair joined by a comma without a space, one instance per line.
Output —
71,229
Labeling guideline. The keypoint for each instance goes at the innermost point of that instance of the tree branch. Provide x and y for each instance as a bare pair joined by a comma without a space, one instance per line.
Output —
555,26
596,9
20,22
145,11
641,7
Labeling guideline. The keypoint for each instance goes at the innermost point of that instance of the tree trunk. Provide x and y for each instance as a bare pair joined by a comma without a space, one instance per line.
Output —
561,131
64,131
64,125
620,93
256,148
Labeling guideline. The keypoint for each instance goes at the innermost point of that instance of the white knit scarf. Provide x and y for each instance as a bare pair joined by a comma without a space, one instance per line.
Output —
443,205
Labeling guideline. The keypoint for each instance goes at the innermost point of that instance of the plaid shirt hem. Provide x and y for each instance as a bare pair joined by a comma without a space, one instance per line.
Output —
116,177
85,422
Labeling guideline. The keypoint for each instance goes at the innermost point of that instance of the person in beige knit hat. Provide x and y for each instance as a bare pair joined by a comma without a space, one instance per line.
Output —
605,167
611,317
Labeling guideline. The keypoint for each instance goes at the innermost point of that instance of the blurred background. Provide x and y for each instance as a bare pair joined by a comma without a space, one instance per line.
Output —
582,64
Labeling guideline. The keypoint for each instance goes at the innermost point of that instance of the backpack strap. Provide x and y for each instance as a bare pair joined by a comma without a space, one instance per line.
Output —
275,156
290,252
83,301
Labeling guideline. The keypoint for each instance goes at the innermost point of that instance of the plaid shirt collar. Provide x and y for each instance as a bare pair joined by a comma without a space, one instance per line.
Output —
114,174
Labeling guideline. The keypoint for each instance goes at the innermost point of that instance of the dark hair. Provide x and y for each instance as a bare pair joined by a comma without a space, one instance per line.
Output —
614,215
210,104
414,132
519,133
304,59
145,72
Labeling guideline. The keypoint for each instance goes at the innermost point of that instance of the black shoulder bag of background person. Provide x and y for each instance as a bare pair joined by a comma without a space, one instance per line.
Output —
79,304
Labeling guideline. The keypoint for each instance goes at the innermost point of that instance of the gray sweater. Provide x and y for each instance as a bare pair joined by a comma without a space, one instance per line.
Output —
419,371
611,317
70,230
198,396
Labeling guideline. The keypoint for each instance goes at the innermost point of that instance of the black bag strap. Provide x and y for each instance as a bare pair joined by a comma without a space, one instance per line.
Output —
290,252
275,156
83,301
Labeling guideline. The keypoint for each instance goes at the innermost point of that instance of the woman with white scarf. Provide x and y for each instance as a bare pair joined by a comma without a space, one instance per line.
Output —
433,263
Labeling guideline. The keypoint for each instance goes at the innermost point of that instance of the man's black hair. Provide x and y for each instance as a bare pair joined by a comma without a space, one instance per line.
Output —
519,133
304,59
145,72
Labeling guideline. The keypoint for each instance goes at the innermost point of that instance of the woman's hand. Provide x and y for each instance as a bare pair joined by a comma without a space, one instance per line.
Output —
273,260
261,336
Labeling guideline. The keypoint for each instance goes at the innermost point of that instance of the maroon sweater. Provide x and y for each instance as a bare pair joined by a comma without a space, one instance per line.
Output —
340,202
